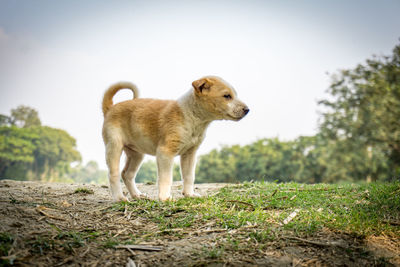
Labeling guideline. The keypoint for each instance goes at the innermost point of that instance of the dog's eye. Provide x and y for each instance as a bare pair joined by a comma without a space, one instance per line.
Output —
228,96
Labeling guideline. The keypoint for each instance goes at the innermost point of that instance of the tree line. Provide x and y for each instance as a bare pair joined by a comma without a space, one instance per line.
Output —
358,140
31,151
358,137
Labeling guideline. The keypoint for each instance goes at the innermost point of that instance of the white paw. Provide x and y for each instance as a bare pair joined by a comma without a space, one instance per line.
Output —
164,197
192,194
121,198
141,195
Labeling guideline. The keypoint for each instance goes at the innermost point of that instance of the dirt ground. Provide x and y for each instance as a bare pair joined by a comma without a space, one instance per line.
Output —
53,225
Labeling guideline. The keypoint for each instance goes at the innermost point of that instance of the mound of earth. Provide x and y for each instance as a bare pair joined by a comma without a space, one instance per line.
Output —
57,224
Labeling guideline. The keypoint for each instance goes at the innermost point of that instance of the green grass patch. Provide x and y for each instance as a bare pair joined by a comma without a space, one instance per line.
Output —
6,241
83,190
70,240
361,209
41,244
213,252
110,243
64,240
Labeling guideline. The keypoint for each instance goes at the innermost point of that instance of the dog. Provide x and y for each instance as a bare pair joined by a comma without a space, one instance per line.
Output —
165,129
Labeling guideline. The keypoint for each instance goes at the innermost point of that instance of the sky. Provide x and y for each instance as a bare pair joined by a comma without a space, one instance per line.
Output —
60,56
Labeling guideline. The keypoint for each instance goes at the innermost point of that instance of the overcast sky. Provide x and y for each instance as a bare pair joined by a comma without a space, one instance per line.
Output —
59,56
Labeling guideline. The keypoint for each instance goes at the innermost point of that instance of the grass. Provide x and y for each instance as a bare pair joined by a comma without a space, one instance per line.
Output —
213,252
83,190
73,239
65,240
6,241
41,244
359,209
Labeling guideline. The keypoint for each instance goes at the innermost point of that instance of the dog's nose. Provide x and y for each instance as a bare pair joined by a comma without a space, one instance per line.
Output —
246,110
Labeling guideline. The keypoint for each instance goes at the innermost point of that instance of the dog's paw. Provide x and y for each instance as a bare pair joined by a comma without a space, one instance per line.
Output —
141,196
164,198
121,199
193,194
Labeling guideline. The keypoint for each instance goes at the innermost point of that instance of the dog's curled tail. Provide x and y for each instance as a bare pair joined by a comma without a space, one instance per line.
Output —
113,89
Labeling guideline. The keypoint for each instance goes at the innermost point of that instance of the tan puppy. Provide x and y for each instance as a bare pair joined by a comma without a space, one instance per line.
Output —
165,129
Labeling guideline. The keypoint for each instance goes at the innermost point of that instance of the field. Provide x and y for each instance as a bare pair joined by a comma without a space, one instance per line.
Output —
250,224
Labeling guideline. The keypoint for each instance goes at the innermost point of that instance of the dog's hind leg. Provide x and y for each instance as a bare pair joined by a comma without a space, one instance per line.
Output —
132,165
113,154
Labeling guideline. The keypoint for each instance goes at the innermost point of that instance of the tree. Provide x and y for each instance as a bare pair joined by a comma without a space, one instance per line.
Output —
362,120
148,172
90,173
263,160
16,151
29,151
24,117
55,150
5,120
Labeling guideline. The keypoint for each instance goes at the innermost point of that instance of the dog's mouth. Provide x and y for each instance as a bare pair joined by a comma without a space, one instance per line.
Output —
236,118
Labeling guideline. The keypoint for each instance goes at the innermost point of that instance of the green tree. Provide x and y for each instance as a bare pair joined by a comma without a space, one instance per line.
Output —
362,122
29,151
216,166
24,117
148,172
312,151
89,173
265,159
55,151
16,151
5,120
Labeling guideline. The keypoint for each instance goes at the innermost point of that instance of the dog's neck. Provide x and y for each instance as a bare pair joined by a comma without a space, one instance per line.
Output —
193,109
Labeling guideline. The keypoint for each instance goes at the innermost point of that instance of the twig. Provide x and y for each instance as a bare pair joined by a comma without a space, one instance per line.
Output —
320,244
71,258
41,209
311,189
140,247
84,253
273,193
131,251
396,223
120,232
97,210
242,202
291,216
208,231
163,231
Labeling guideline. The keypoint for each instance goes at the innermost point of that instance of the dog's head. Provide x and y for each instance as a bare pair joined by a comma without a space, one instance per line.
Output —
219,98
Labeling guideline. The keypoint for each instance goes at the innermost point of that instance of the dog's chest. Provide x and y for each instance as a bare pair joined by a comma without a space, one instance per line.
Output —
192,137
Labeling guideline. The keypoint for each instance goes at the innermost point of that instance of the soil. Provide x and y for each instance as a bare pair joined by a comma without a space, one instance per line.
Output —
44,219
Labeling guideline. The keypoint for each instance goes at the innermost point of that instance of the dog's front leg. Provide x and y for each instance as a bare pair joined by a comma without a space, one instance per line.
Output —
188,163
164,165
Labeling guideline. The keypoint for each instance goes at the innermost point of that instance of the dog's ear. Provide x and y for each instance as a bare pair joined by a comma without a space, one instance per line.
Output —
201,85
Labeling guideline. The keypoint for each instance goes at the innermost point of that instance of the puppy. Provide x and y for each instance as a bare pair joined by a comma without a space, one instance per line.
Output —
165,129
